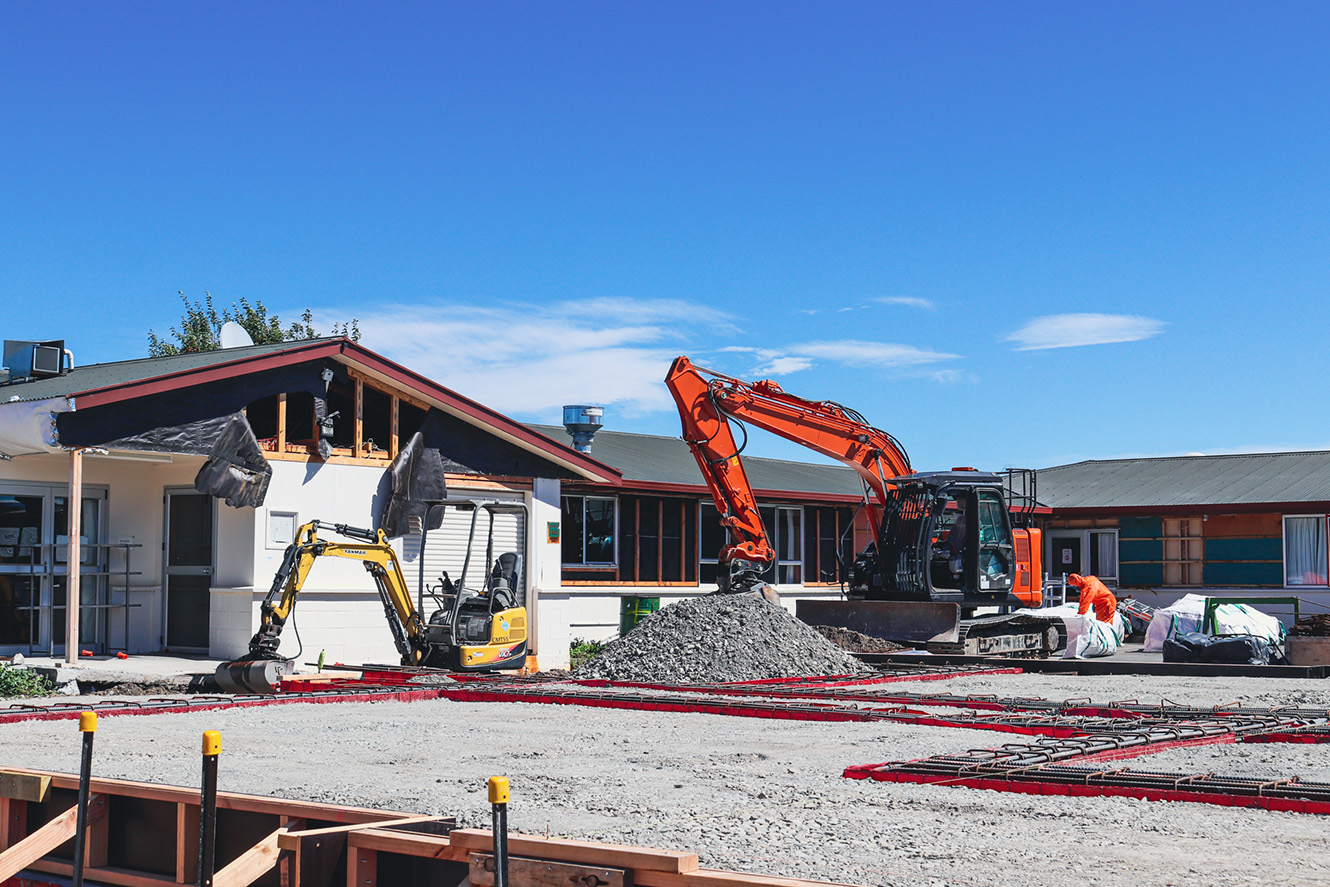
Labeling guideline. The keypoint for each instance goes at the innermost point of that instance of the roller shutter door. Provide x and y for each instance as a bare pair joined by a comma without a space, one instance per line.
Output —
447,545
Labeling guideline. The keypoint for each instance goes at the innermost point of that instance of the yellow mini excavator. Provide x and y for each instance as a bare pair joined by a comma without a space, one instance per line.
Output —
472,630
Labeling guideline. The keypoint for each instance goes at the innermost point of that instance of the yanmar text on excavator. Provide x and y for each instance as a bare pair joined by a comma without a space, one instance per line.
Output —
940,544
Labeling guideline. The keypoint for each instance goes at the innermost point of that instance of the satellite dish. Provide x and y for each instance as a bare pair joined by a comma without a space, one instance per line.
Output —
234,335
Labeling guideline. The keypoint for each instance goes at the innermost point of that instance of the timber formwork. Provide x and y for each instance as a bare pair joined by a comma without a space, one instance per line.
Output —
144,835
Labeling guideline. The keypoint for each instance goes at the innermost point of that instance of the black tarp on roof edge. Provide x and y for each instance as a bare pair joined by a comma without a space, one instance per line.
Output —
185,420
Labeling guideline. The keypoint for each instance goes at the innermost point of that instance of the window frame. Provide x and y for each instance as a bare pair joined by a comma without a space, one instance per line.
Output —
1283,547
584,563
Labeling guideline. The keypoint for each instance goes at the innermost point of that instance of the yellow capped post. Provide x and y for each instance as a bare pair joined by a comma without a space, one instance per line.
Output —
212,750
88,727
499,807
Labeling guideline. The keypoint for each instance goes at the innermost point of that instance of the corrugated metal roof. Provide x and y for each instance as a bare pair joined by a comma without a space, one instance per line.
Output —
95,376
1252,479
654,459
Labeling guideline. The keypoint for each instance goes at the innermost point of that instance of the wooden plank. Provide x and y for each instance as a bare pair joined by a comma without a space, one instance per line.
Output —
249,866
105,875
13,821
407,844
187,843
362,867
582,852
541,873
24,786
225,800
358,430
47,838
98,844
288,840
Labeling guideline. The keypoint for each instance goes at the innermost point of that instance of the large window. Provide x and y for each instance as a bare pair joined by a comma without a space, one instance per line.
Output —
785,530
659,540
826,535
587,536
1305,550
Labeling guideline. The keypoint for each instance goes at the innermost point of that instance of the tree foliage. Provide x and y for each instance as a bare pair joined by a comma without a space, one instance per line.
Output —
200,327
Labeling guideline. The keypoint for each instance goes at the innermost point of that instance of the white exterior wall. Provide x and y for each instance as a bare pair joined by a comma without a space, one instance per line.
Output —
134,513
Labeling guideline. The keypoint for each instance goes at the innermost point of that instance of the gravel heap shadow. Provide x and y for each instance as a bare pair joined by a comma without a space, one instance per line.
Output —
717,639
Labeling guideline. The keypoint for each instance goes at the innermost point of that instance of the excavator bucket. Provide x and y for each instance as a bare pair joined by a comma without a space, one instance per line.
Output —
258,676
915,622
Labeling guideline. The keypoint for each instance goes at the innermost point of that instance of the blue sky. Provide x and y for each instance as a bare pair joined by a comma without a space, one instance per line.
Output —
1009,234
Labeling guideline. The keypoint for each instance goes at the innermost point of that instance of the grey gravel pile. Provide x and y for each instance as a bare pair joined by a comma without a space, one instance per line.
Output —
718,639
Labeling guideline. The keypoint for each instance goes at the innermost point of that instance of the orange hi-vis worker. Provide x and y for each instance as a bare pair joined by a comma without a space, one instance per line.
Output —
1094,594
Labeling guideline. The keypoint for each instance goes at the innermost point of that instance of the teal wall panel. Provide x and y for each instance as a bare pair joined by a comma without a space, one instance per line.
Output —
1140,574
1140,549
1140,527
1244,574
1268,549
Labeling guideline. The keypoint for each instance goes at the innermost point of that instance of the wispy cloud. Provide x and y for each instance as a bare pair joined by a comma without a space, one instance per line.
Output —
527,359
908,301
1073,330
844,352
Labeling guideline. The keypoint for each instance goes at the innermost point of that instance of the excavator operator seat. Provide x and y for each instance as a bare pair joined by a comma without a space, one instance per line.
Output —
503,580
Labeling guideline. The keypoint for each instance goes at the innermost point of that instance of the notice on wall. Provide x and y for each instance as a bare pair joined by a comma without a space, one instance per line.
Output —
1066,556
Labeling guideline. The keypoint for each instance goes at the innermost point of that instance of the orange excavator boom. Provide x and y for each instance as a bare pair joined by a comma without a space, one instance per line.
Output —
709,400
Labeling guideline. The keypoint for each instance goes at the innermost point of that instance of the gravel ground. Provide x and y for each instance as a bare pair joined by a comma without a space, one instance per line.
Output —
748,794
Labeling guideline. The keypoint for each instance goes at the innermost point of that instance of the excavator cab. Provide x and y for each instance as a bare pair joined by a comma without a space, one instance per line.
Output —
946,537
477,627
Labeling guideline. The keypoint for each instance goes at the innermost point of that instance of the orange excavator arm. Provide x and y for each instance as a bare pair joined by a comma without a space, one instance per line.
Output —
708,400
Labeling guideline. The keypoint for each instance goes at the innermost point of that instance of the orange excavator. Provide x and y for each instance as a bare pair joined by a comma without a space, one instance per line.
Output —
940,544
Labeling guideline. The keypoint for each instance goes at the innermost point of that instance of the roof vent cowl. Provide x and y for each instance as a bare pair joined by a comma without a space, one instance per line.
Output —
583,421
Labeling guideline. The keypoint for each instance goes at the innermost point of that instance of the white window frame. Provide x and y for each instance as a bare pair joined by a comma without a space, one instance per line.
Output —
1084,535
1283,545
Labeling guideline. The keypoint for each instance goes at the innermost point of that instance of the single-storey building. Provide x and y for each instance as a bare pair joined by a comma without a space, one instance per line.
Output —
656,533
1160,528
284,433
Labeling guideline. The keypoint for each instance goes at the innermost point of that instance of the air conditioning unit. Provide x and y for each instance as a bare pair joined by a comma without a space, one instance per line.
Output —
34,360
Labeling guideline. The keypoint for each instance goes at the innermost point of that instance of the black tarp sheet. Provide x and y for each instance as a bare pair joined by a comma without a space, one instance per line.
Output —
185,420
236,470
447,445
415,477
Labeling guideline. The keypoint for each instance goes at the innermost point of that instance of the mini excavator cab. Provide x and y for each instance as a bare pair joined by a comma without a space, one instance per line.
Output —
477,627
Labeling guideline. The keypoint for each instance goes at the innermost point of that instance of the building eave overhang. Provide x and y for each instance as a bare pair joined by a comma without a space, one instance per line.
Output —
349,353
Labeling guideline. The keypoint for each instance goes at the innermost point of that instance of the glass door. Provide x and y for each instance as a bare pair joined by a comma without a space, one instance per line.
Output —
25,627
188,571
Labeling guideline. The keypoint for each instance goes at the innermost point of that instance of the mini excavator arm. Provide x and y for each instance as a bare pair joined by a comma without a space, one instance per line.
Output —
380,562
707,403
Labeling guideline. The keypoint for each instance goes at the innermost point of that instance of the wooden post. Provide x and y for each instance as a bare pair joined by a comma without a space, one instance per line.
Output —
74,510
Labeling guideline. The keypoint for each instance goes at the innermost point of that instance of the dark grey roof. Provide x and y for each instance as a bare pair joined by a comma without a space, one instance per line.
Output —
1253,479
653,459
95,376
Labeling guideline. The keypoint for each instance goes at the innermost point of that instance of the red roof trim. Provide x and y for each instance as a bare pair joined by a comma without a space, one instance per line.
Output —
97,397
352,353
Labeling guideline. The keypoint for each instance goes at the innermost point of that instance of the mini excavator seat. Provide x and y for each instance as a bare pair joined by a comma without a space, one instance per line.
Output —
503,580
